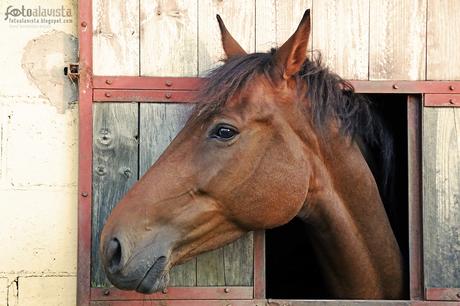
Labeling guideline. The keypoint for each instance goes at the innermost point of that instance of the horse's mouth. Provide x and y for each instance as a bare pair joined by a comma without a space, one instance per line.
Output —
156,278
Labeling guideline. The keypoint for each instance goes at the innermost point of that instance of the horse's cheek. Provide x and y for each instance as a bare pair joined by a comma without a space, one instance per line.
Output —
273,196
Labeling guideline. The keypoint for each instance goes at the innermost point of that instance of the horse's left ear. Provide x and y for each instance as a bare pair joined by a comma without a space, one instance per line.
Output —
292,54
231,47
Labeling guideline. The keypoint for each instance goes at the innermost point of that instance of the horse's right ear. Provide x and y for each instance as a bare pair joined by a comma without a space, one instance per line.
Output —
293,53
231,47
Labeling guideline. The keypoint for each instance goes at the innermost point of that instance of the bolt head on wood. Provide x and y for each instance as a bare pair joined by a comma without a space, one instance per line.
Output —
84,24
451,87
168,83
451,101
84,194
106,292
168,95
164,291
108,82
226,290
108,94
395,86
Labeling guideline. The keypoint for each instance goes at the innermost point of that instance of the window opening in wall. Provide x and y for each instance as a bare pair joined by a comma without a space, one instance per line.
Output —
292,270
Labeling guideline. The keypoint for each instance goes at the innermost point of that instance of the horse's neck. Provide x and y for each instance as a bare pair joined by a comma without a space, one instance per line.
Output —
349,227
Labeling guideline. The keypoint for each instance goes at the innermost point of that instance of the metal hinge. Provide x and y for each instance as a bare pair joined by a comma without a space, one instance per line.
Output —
72,70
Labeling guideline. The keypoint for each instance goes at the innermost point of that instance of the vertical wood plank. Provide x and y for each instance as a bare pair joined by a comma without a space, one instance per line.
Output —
443,40
397,39
441,152
116,37
169,37
239,261
159,124
115,166
441,197
341,34
276,20
239,18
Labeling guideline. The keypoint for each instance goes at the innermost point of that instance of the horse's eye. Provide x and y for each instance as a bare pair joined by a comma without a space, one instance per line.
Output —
224,132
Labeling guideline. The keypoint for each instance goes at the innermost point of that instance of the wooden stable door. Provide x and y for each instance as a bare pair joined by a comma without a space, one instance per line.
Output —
127,139
139,69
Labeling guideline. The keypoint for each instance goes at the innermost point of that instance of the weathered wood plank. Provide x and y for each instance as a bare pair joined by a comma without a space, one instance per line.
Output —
239,262
397,39
441,194
341,34
159,124
276,20
441,153
169,37
115,166
239,19
116,37
443,40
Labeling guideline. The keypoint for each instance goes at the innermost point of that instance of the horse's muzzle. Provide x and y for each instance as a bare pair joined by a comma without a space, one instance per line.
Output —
144,271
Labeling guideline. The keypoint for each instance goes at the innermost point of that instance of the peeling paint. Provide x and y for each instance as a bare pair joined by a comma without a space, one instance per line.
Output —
43,61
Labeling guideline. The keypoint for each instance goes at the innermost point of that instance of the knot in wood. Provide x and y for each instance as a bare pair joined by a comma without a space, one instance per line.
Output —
101,170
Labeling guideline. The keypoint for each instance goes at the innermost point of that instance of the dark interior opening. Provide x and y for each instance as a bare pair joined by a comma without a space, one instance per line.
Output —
292,271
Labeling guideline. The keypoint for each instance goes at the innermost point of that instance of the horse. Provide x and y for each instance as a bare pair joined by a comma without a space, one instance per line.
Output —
273,136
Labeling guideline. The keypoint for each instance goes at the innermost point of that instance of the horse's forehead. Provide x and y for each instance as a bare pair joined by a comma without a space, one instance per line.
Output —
257,93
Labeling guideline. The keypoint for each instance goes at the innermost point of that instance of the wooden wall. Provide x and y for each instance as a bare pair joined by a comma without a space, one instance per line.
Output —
359,39
441,152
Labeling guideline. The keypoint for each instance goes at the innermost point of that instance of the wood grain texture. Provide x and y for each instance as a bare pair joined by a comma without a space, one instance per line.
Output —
443,40
239,262
276,21
116,37
441,152
115,166
168,37
159,124
239,18
397,39
441,194
341,34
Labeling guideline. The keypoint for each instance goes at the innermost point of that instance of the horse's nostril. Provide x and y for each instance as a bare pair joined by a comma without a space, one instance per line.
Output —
113,253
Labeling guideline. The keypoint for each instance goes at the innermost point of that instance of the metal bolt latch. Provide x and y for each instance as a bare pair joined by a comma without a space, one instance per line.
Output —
72,70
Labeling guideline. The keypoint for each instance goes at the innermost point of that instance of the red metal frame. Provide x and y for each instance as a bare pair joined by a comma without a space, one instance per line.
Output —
442,294
183,90
85,31
414,141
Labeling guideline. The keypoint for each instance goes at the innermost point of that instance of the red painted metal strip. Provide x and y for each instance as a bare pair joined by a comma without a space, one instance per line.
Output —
85,151
119,95
414,138
180,303
176,293
442,100
150,83
442,294
259,265
406,87
193,84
